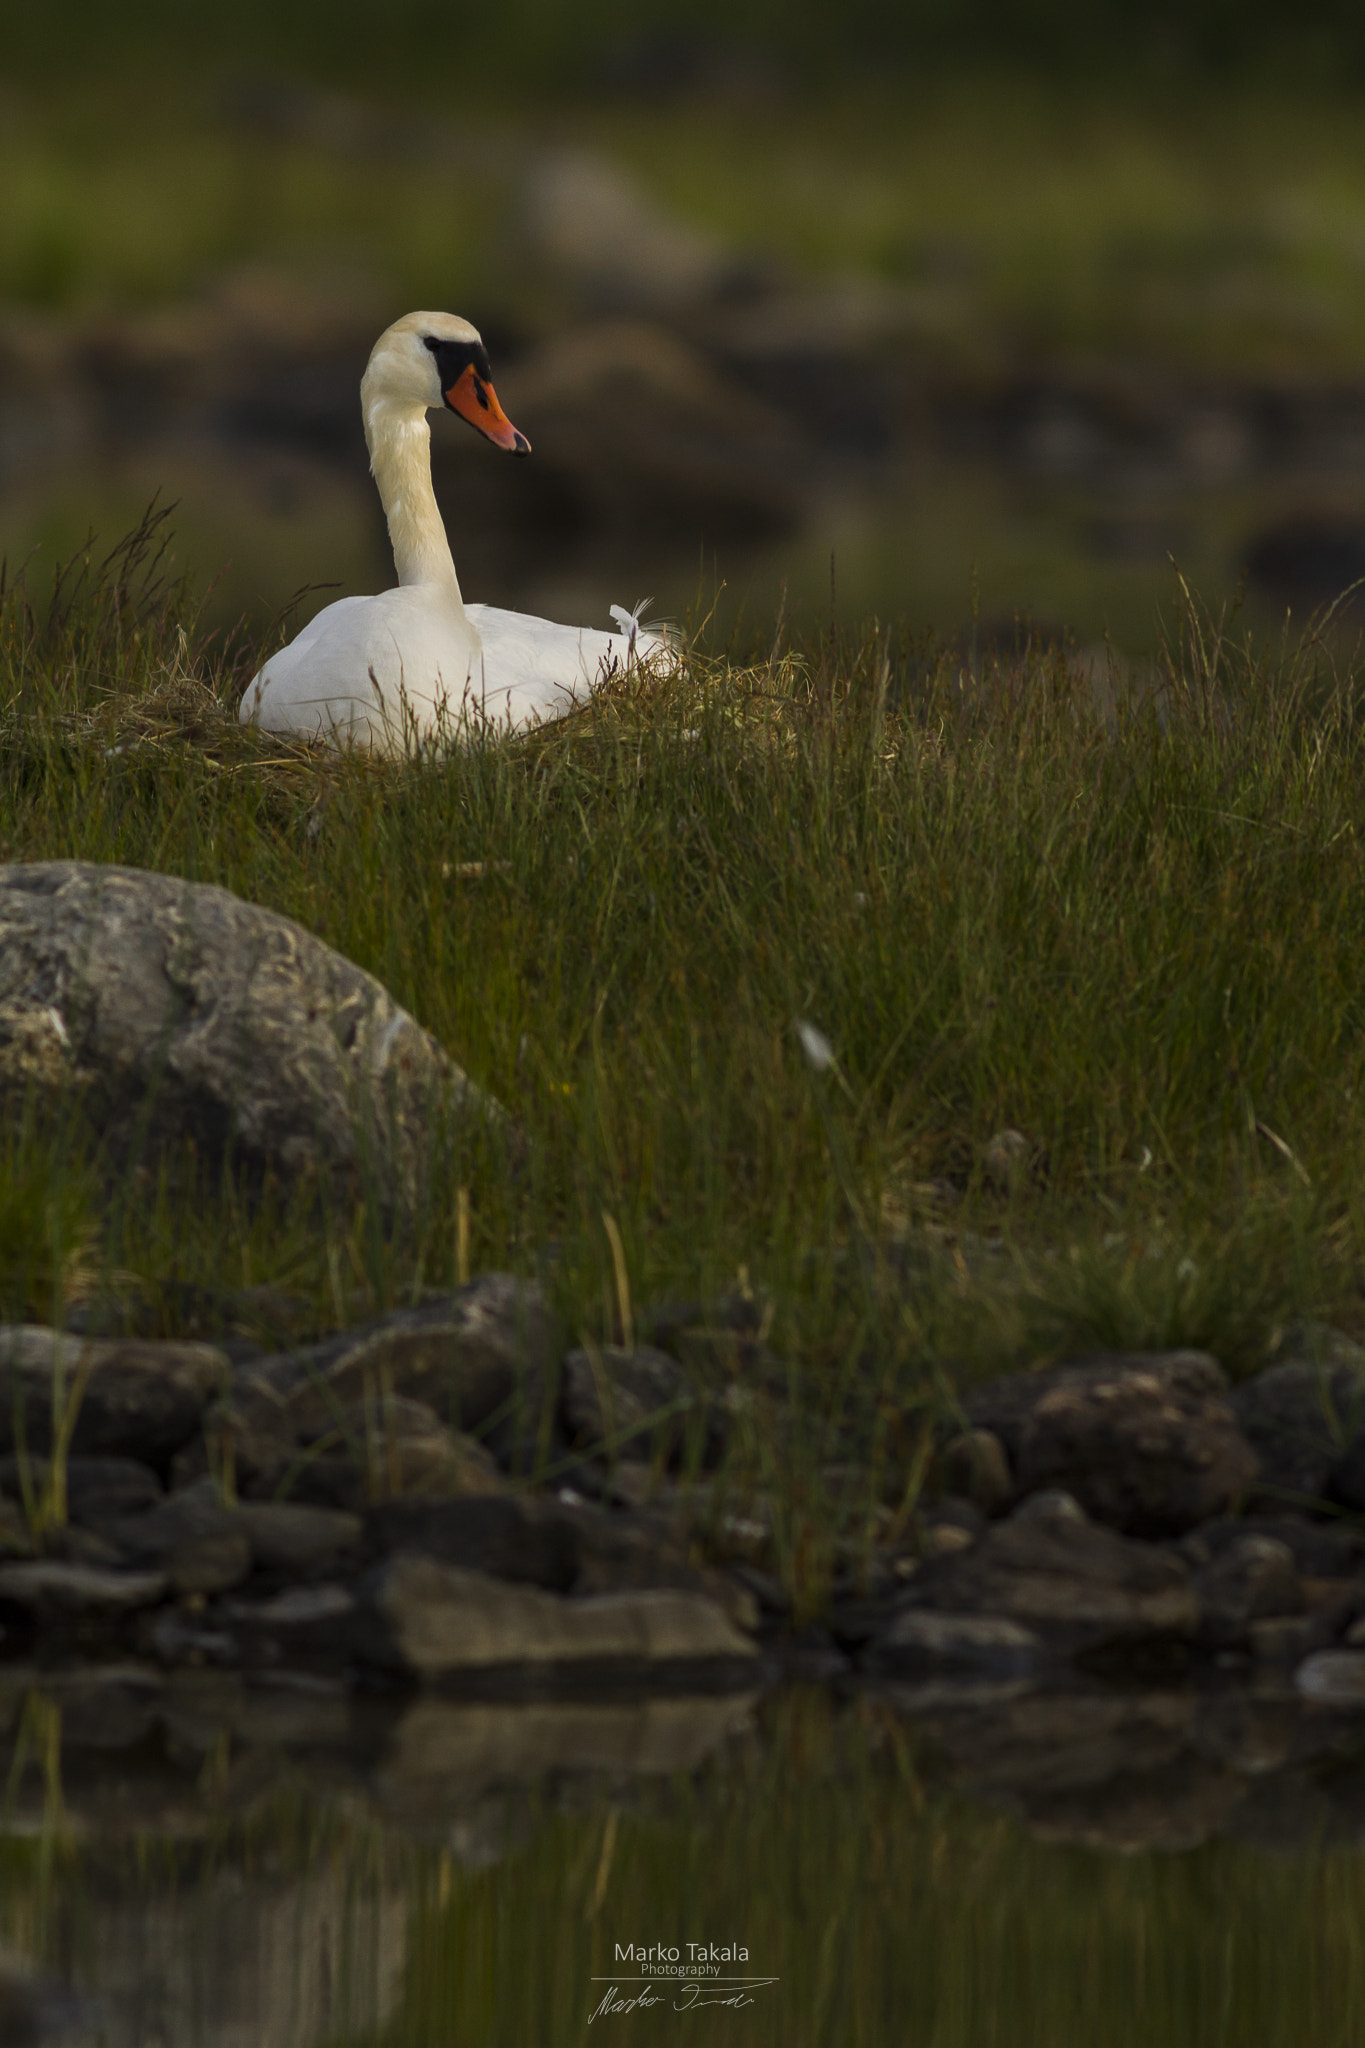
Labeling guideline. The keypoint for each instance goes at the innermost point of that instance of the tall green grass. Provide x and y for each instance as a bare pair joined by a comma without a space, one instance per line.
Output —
1129,923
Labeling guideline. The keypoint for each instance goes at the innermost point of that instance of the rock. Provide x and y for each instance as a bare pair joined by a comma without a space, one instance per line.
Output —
1005,1160
920,1640
200,1545
621,1402
588,220
1251,1580
518,1539
1320,1550
301,1625
559,1546
388,1449
178,1639
16,1538
1146,1441
1299,1418
643,1551
1284,1640
724,1336
1346,1479
295,1540
436,1622
975,1467
1333,1678
74,1545
1077,1585
177,1012
468,1355
95,1487
48,1588
140,1400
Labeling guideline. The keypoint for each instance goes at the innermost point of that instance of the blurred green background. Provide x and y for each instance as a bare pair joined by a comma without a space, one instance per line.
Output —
962,314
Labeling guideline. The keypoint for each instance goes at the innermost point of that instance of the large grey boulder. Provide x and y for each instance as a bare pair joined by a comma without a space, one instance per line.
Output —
179,1012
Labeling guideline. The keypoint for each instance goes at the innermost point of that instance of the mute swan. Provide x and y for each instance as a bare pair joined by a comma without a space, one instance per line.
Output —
416,663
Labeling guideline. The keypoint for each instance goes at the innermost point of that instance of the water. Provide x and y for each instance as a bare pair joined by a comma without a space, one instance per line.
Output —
191,1863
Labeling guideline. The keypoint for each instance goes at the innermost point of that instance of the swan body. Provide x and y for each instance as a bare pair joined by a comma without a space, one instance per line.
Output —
415,664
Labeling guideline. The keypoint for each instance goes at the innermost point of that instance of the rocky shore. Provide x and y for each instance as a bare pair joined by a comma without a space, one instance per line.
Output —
452,1496
368,1509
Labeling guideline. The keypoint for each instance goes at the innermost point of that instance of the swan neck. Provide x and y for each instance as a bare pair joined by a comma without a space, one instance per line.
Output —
399,441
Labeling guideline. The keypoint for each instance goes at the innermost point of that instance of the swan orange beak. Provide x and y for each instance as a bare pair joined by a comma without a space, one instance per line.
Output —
475,400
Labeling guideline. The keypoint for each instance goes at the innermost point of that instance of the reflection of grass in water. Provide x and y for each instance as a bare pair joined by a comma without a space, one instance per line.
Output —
890,1910
885,1925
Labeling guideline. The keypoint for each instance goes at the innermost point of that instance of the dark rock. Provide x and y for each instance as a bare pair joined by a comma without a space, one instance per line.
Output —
1346,1480
47,1587
1251,1580
295,1540
480,1358
74,1545
1284,1640
623,1402
973,1465
1320,1550
391,1447
812,1656
854,1622
772,1596
199,1544
176,1012
16,1537
175,1639
557,1545
1299,1418
1079,1586
1333,1678
436,1622
1146,1441
301,1625
138,1400
644,1551
725,1333
953,1512
920,1640
95,1487
518,1539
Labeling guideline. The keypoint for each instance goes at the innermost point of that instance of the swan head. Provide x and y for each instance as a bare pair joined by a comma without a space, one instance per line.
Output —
430,359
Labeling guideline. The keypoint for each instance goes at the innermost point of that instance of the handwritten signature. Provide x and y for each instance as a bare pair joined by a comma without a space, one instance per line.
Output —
735,1992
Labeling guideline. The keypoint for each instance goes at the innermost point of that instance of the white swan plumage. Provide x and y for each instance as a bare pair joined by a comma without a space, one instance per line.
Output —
416,664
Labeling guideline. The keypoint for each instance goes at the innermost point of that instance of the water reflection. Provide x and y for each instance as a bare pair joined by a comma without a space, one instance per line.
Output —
192,1862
